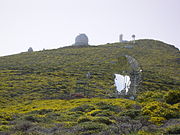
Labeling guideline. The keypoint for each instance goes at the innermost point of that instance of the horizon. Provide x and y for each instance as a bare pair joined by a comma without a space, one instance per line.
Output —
52,24
89,45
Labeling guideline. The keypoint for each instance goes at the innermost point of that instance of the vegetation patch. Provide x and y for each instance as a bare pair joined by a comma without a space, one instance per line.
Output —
70,91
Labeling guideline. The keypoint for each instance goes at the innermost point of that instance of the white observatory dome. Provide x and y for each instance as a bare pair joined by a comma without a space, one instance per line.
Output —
81,39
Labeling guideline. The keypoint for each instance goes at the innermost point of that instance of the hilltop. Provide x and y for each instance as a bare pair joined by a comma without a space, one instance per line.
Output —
50,90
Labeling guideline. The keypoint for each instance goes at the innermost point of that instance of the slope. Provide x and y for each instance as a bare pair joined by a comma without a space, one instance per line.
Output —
88,72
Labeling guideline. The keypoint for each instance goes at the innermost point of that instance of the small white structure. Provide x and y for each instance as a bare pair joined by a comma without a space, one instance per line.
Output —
133,36
81,39
122,82
121,38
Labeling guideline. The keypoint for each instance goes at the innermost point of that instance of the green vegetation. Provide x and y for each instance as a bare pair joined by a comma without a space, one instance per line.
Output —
70,91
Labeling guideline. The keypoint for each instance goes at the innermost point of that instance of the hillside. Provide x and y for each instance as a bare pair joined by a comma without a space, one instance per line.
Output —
42,89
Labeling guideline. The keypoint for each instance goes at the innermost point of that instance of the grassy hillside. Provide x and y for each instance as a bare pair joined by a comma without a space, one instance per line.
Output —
42,89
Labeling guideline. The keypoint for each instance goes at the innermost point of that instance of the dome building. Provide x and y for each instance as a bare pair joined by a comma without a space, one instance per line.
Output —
30,49
81,39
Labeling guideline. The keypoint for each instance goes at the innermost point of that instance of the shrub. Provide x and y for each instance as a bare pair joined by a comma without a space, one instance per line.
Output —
95,112
4,122
4,133
83,108
175,129
23,126
75,114
150,96
84,119
4,127
131,113
104,120
172,97
158,109
31,118
142,132
157,120
110,107
42,111
90,127
6,116
106,113
29,133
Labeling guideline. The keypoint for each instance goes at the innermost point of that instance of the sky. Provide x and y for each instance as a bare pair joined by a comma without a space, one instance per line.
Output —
50,24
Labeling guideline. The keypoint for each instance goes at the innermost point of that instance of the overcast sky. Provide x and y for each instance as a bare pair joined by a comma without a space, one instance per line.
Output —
52,24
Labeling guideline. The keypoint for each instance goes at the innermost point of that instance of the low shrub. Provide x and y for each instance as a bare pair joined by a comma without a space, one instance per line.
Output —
142,132
131,113
159,109
89,127
4,127
31,118
172,97
75,114
83,108
84,119
38,118
157,120
4,122
104,120
23,126
25,133
150,96
106,113
42,111
110,107
175,129
95,112
6,116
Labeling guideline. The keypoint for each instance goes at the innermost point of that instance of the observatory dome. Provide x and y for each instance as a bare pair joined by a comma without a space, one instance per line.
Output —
81,39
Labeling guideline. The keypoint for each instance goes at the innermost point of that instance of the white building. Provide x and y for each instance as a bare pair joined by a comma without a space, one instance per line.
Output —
81,39
121,38
30,49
